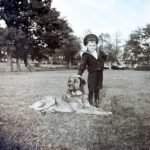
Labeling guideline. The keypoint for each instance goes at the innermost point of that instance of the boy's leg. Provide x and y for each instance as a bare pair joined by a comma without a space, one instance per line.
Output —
90,98
91,87
96,97
99,85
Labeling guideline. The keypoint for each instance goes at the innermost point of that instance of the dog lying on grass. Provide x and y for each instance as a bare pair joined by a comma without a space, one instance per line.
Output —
74,101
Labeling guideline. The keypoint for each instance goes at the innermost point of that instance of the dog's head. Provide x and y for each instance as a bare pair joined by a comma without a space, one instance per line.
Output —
76,83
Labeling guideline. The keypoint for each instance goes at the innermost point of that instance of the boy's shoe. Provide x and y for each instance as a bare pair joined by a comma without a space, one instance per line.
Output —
97,103
91,102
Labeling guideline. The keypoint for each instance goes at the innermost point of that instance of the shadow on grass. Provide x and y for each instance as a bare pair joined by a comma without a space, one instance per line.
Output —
5,144
11,144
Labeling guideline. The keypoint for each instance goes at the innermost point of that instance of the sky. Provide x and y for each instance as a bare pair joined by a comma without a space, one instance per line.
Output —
104,16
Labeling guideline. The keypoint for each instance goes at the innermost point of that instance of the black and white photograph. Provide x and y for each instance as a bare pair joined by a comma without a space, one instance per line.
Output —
75,75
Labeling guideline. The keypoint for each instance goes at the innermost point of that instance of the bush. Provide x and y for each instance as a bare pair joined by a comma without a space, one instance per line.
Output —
144,67
37,65
118,67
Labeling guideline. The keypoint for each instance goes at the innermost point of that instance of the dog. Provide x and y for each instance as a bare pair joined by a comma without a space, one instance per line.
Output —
73,101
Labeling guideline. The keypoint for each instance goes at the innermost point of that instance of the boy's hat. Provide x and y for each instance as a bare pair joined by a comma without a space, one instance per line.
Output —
90,37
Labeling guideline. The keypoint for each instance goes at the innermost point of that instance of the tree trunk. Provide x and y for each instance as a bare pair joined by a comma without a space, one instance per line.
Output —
51,61
18,64
27,65
148,59
70,65
9,63
110,65
78,63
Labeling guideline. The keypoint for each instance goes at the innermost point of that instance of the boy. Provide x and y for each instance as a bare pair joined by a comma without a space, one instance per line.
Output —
94,59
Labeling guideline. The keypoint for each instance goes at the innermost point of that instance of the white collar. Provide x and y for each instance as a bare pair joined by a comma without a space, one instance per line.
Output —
94,53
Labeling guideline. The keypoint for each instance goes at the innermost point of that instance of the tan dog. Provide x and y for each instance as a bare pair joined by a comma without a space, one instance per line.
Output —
74,100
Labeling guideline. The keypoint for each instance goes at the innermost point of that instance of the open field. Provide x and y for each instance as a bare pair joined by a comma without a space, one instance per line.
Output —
125,93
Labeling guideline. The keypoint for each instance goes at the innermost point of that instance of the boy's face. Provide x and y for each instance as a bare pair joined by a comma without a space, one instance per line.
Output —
91,46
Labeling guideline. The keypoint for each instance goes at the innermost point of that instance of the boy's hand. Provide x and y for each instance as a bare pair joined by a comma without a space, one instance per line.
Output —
79,76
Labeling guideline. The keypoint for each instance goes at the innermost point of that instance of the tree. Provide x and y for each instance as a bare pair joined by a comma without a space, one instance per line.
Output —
18,14
146,43
105,40
52,32
107,45
11,41
7,45
137,49
118,45
71,50
38,21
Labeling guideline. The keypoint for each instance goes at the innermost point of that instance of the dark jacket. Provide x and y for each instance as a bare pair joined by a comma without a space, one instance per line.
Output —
91,62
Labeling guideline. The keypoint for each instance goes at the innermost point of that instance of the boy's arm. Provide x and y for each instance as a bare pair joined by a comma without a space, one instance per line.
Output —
104,56
83,64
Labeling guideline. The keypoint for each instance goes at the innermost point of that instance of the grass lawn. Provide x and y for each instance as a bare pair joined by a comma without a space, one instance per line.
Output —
125,93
